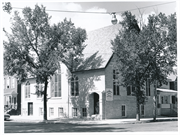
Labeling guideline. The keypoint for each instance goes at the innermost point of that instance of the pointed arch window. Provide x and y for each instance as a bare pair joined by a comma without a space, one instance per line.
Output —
40,88
74,86
13,83
4,83
27,90
130,90
148,88
7,82
116,87
56,85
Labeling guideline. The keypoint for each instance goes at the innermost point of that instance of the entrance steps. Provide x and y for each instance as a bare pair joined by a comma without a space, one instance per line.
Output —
96,117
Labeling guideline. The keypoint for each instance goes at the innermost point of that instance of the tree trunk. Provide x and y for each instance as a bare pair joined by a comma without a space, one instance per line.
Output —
137,111
155,98
137,97
45,100
69,83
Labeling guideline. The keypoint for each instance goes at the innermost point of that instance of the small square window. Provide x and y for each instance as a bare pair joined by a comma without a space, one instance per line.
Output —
40,111
74,112
84,112
142,110
51,111
60,111
123,109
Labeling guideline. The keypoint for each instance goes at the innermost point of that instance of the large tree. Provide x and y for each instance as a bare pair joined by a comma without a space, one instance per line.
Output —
147,53
35,48
7,7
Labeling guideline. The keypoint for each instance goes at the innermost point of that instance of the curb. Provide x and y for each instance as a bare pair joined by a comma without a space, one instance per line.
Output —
96,123
102,122
91,122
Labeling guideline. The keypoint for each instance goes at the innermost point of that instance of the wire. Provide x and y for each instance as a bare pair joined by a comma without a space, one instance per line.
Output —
70,11
146,7
79,12
101,12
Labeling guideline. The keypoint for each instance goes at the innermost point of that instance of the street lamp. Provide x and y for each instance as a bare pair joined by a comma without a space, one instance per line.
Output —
114,20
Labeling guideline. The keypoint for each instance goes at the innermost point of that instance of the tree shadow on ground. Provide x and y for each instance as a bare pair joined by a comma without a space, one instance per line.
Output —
61,127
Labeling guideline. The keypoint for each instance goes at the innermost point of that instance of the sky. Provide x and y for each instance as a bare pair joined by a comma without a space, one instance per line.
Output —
92,21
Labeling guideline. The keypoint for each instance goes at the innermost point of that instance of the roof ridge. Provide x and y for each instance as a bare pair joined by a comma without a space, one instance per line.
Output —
105,27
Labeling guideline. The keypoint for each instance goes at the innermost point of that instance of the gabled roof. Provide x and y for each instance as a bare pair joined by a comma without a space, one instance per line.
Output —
98,50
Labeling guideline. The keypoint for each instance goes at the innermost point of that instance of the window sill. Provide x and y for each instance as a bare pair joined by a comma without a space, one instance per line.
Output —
131,95
75,116
74,96
56,98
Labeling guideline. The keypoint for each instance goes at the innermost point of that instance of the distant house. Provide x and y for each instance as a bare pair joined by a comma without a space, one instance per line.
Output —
167,97
92,90
12,94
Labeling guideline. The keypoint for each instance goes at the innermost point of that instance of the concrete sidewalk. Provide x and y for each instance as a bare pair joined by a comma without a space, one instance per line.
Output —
82,121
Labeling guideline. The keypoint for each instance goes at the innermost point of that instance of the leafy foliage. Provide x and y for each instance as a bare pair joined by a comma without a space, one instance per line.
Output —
129,22
147,53
34,48
7,7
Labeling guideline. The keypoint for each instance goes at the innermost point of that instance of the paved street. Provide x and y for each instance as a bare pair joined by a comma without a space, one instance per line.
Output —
34,127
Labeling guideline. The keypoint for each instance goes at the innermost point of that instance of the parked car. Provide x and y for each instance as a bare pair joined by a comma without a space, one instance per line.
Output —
6,116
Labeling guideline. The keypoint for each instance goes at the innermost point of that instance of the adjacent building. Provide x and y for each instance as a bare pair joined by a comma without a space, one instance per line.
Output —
167,97
12,94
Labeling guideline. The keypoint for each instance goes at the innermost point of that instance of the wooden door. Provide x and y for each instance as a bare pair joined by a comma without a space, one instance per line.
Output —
30,108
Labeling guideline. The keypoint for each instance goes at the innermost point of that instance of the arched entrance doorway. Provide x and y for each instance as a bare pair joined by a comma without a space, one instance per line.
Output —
96,103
